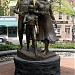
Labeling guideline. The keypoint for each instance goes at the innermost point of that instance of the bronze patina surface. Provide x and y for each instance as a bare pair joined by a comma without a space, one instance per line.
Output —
30,55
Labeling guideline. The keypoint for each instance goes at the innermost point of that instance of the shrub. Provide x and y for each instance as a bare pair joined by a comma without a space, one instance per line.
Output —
56,45
8,47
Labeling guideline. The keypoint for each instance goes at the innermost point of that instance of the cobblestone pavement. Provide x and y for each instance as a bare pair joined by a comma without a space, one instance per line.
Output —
67,67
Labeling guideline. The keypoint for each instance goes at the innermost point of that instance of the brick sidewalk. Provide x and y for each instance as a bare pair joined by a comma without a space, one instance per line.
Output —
7,68
67,67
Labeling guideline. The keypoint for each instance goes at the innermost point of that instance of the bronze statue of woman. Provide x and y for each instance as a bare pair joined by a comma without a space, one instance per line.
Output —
45,18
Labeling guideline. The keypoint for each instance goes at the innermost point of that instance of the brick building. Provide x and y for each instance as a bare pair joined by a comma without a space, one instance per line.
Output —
64,26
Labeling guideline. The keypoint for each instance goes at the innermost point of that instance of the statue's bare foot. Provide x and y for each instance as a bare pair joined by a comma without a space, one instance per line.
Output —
42,51
27,49
32,46
45,51
20,47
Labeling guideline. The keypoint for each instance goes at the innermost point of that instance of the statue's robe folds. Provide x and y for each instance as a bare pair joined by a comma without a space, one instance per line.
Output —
46,30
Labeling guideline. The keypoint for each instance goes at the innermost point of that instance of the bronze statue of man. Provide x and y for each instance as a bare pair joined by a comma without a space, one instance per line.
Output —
31,20
21,9
45,23
21,4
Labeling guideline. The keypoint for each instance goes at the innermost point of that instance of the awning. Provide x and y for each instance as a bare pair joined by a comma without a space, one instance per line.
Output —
8,23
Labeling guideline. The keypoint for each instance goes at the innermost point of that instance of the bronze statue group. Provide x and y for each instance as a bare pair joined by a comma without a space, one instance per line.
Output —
38,18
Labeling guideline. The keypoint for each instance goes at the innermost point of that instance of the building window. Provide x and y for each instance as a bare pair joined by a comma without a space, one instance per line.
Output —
3,30
12,31
60,15
67,29
67,17
58,29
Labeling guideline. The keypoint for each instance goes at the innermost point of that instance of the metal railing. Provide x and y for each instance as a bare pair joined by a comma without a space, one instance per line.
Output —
9,52
9,55
62,50
14,52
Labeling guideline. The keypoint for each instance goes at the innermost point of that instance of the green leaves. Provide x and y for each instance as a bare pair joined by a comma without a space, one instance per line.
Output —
1,11
63,6
8,47
63,45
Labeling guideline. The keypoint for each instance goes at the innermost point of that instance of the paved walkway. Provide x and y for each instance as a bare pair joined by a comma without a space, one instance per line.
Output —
67,67
7,68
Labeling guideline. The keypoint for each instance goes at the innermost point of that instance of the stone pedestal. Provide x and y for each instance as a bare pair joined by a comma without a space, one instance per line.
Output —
50,66
26,63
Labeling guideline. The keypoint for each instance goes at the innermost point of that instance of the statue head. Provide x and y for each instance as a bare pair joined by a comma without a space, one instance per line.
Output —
31,8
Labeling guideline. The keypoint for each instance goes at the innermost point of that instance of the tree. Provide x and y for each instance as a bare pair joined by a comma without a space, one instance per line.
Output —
63,6
6,7
1,10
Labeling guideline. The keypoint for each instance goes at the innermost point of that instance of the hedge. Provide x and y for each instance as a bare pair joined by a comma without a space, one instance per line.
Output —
40,45
8,47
